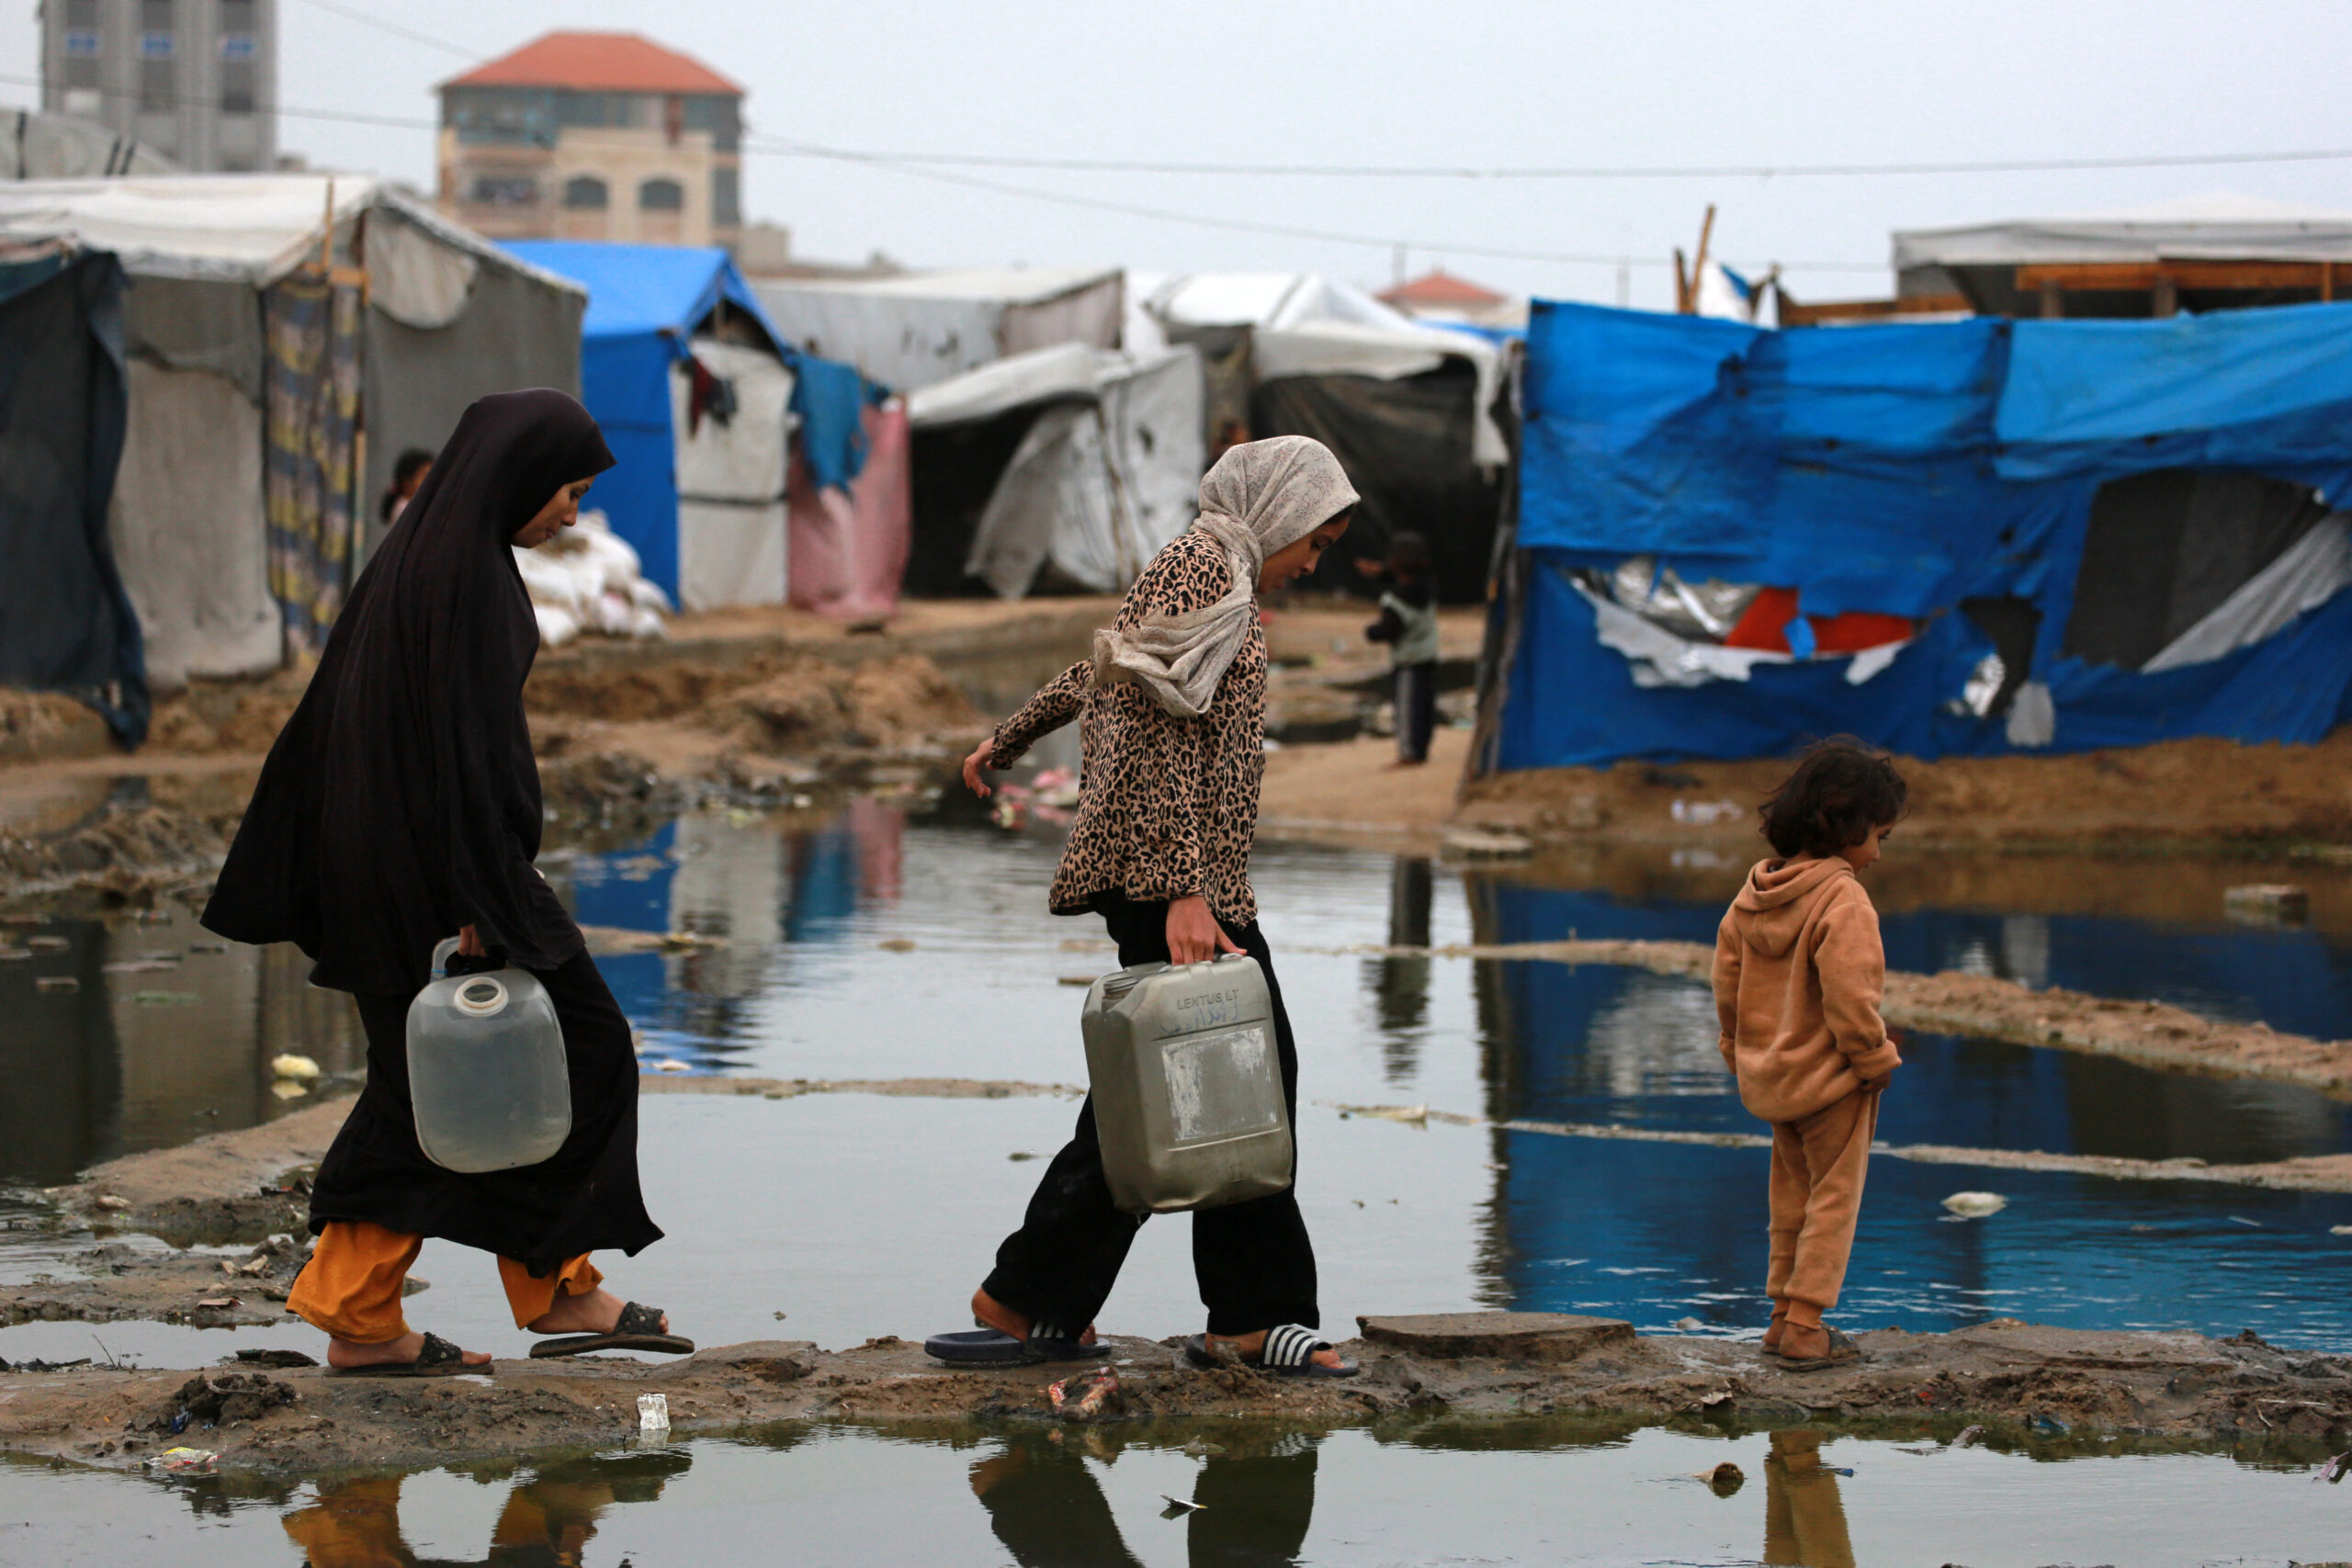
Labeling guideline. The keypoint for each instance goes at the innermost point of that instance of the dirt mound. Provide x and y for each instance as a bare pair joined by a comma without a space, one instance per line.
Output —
125,852
809,703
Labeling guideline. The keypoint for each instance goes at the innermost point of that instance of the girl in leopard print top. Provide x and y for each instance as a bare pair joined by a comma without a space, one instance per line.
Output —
1171,709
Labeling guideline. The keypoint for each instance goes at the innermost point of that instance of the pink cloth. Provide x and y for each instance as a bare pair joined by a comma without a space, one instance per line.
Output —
845,554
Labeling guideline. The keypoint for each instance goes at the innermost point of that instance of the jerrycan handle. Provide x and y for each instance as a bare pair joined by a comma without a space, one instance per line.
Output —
441,952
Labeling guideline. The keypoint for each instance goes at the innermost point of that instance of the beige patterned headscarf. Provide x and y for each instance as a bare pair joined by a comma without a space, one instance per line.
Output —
1259,497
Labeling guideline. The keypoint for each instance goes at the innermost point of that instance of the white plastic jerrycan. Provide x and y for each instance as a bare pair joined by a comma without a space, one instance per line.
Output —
486,1069
1188,1085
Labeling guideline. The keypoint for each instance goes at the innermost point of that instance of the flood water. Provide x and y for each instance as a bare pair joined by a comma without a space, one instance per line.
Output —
1550,1490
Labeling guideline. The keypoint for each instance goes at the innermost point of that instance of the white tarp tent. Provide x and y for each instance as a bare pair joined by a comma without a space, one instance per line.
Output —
731,480
1306,325
450,317
2200,228
908,332
1109,472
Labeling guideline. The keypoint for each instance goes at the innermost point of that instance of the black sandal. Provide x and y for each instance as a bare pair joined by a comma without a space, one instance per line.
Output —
639,1328
986,1346
439,1358
1289,1352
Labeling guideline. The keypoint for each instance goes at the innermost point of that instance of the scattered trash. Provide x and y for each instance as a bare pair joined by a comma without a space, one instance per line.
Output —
108,1201
281,1359
673,1066
1969,1437
1724,1479
2267,904
1083,1398
1721,1396
652,1412
2239,1220
1177,1508
2050,1424
178,1422
165,998
2333,1471
2339,1230
186,1461
1479,843
1975,1205
1688,1325
1835,1470
138,965
56,983
689,941
289,1066
779,1317
1021,1155
1085,980
1201,1447
1411,1115
47,943
1705,813
901,944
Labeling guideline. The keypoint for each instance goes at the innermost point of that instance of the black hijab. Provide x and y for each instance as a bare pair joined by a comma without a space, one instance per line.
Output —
401,800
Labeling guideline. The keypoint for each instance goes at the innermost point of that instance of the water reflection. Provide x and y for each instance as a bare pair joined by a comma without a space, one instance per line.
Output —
1805,1519
1401,984
548,1520
141,1033
1254,1497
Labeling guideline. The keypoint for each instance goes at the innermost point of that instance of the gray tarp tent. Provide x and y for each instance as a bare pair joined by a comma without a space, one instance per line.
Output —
229,308
906,333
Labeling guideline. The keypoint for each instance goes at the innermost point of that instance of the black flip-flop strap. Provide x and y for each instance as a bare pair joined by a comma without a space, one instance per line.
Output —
639,1319
439,1352
1291,1346
1049,1331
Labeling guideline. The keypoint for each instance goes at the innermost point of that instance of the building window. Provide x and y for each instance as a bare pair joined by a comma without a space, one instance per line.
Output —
586,193
236,86
237,46
82,43
159,87
505,190
726,197
157,46
661,195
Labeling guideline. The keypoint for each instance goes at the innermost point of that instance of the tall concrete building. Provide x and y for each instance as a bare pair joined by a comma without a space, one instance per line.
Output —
196,80
595,136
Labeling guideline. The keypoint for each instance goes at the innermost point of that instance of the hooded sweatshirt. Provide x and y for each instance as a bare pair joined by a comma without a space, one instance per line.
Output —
1798,975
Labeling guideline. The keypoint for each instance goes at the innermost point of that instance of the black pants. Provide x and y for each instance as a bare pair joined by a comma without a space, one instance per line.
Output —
1416,710
1254,1263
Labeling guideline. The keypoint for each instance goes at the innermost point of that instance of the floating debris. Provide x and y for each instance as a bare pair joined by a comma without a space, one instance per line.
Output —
186,1461
673,1066
302,1069
56,983
2048,1424
1975,1205
652,1412
902,944
1724,1479
109,1200
1177,1508
1086,980
2333,1471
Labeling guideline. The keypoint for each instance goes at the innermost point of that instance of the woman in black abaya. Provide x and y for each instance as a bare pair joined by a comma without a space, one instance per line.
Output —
401,806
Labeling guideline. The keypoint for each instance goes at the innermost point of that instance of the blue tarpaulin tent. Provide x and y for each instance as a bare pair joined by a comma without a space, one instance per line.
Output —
644,303
2103,532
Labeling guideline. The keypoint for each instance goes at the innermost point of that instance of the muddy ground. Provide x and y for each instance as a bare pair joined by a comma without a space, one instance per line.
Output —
2015,1378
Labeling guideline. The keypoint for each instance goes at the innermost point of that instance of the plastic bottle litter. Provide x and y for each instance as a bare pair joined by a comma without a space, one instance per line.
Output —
486,1069
1975,1205
186,1461
652,1412
1724,1479
2333,1471
1084,1397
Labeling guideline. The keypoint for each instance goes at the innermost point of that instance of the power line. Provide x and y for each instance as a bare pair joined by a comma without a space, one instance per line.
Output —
1576,172
352,13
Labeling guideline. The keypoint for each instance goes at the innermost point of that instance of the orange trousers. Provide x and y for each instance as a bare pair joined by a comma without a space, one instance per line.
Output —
1818,1163
351,1286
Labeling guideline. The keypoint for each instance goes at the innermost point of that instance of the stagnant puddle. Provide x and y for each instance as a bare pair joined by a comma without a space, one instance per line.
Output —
877,945
1447,1492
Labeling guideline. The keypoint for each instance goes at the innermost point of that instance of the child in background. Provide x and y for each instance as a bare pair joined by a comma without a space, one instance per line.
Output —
1798,975
1409,624
408,472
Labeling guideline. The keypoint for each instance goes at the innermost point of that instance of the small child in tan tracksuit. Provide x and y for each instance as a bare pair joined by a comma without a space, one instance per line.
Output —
1798,975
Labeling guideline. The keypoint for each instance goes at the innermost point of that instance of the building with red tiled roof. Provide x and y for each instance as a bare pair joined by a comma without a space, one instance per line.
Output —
1437,295
595,136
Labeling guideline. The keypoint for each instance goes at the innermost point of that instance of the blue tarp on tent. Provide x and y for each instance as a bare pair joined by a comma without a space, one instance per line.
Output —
1902,469
644,303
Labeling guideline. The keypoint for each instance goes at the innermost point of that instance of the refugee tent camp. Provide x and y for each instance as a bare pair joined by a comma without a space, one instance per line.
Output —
65,624
1965,537
1104,468
1413,411
693,388
906,333
286,335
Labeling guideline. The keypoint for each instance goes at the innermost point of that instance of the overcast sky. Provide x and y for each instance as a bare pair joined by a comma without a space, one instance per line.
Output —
1477,83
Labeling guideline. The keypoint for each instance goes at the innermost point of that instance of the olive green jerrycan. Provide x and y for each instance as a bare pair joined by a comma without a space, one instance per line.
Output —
1187,1084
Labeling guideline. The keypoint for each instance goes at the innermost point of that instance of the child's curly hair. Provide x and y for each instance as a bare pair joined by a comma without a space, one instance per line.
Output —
1840,790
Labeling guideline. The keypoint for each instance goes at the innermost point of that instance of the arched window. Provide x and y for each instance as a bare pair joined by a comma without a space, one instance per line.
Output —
661,195
586,193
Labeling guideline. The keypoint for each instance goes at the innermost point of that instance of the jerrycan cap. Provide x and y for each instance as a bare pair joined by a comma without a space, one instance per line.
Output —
481,996
1119,983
